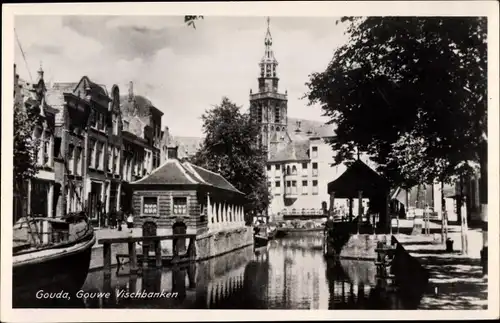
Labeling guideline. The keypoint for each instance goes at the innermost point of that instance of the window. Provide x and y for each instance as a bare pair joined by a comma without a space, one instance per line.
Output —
277,118
304,169
294,187
46,148
288,170
277,171
100,121
180,205
288,189
92,151
315,187
269,184
315,169
116,161
314,152
78,171
304,187
115,125
259,113
268,167
294,170
93,118
71,159
150,205
110,159
99,156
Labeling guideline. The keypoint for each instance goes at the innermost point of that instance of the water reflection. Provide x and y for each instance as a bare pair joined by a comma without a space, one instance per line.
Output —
289,273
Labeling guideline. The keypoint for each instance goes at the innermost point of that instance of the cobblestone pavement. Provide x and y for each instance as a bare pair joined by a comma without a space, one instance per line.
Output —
456,279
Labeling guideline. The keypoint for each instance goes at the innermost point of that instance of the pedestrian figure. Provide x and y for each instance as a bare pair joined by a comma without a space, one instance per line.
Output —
112,218
130,222
119,218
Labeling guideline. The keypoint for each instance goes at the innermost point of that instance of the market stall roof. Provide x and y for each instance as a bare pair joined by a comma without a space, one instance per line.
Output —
173,172
359,177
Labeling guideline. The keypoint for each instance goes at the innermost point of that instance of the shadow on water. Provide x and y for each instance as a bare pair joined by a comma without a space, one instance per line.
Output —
289,273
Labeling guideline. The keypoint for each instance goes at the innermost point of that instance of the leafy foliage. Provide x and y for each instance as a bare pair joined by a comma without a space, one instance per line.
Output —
409,91
190,20
25,146
230,148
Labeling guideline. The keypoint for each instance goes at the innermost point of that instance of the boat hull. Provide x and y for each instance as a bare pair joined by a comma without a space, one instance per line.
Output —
260,241
52,282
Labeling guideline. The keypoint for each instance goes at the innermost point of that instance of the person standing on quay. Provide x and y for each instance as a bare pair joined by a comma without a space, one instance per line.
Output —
119,218
130,222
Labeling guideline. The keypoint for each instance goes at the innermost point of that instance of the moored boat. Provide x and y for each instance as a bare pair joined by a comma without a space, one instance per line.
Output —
260,240
50,256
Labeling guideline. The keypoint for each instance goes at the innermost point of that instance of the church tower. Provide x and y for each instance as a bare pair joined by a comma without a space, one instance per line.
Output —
268,107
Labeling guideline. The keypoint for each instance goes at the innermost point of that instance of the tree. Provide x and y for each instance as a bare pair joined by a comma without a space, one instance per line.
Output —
403,80
25,148
411,92
231,149
190,20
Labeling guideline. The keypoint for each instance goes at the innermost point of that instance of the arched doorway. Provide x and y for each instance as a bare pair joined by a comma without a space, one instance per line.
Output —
179,227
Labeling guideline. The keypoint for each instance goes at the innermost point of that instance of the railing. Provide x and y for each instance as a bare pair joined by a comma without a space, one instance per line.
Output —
41,232
146,242
303,211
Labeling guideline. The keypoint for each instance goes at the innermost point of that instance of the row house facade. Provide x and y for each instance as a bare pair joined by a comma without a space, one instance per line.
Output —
97,148
38,200
142,140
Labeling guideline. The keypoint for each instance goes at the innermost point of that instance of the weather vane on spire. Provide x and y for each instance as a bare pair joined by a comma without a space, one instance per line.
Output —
268,21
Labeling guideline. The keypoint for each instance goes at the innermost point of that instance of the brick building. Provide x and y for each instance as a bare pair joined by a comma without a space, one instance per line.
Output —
39,200
142,140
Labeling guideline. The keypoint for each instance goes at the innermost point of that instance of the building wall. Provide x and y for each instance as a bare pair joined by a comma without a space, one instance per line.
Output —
165,216
312,196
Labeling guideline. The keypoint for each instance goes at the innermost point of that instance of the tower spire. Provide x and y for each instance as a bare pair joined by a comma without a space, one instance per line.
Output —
268,81
268,41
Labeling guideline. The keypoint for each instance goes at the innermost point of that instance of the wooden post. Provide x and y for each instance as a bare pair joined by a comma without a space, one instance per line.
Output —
145,253
158,254
106,251
133,257
192,249
332,200
175,251
360,208
350,209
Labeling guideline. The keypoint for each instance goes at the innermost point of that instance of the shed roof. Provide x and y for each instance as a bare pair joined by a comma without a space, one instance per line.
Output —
359,177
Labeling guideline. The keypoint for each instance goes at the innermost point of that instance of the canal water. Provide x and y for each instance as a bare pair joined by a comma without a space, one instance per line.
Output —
289,273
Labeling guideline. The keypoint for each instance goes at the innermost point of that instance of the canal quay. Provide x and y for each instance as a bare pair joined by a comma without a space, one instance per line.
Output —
289,273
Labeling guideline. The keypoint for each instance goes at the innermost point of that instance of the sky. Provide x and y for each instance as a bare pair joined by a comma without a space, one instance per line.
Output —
184,71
